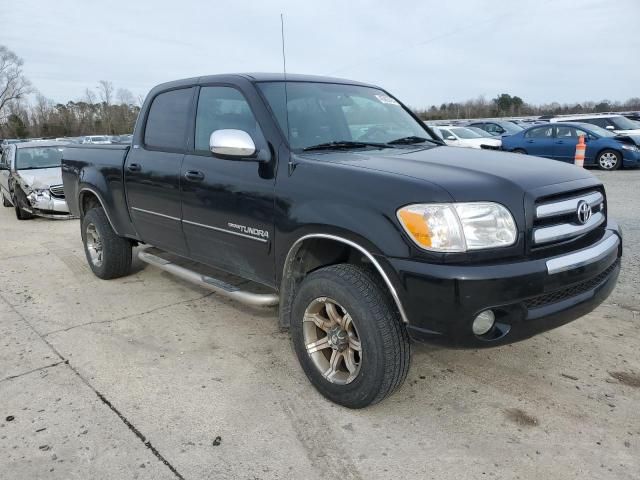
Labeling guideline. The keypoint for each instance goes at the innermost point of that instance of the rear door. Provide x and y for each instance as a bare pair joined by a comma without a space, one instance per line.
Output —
4,172
152,171
228,204
539,141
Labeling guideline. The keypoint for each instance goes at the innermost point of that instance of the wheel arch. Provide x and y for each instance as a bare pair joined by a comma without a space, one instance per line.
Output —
315,250
88,198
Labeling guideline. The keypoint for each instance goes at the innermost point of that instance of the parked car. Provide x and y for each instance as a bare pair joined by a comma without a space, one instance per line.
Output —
31,180
498,128
366,237
615,123
466,137
558,141
96,140
9,141
122,139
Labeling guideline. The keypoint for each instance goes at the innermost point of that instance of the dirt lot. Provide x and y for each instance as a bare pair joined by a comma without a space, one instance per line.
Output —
149,377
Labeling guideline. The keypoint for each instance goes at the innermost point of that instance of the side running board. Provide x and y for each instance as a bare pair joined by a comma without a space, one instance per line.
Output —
218,286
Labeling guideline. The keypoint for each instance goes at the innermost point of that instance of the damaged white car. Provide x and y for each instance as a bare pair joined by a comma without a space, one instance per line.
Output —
31,180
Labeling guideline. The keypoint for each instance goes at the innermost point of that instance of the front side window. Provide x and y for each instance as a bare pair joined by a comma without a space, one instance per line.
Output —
540,132
319,113
38,157
223,108
168,119
623,123
466,133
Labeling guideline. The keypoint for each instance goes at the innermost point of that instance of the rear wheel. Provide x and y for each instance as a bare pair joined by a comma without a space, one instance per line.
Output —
109,255
609,160
348,336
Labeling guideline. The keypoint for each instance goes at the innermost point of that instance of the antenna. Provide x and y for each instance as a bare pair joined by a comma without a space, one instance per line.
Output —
286,96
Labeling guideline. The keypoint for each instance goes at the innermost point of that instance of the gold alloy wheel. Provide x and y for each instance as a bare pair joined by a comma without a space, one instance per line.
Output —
332,341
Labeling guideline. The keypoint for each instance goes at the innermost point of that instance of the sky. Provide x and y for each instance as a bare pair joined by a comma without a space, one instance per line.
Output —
424,52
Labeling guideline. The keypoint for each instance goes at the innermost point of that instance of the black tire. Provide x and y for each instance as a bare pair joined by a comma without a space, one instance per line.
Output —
605,162
115,251
385,347
20,198
5,202
520,151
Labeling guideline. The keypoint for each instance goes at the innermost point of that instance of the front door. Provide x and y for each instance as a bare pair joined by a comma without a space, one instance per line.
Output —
152,172
564,148
227,205
539,141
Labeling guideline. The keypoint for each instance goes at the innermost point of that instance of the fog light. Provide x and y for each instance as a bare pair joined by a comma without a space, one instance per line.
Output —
483,322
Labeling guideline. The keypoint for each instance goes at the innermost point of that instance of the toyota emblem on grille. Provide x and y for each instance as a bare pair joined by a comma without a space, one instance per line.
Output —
584,212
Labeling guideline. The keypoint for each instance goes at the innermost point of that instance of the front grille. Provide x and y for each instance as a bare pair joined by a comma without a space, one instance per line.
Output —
572,291
558,219
57,191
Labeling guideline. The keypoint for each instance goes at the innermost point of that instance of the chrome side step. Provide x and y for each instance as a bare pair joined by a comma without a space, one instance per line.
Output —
218,286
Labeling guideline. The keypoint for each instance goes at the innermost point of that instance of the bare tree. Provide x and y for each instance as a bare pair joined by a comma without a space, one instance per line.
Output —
13,84
125,97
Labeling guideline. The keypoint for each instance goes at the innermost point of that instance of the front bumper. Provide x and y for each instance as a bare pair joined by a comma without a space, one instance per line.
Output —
47,206
527,297
630,158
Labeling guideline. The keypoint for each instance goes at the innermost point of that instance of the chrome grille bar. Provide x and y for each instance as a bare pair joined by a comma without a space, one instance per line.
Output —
562,231
570,205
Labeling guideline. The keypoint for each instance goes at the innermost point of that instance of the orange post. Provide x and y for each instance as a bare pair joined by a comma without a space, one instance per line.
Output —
581,147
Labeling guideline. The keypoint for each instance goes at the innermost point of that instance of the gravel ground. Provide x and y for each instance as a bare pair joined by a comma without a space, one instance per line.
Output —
150,377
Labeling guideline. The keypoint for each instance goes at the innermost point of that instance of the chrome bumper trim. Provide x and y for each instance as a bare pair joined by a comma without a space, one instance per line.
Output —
583,257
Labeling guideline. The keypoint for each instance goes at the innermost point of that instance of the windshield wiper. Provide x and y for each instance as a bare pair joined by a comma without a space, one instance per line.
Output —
343,144
408,140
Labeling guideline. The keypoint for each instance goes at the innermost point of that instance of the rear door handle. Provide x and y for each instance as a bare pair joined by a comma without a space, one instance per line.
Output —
134,167
194,175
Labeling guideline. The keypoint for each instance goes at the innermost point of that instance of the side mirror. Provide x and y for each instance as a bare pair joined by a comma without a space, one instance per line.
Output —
609,127
231,143
451,137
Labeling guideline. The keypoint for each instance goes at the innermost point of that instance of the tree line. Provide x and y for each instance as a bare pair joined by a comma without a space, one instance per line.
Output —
24,112
506,105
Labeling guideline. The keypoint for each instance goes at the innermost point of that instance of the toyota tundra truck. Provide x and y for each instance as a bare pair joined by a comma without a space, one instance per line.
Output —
332,200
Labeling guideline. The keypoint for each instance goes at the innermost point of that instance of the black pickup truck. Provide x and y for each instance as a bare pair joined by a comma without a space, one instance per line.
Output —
346,210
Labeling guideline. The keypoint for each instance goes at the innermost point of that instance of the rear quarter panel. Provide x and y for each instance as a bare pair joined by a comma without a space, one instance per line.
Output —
99,170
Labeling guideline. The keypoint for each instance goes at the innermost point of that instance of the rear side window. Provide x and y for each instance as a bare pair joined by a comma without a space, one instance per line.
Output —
168,119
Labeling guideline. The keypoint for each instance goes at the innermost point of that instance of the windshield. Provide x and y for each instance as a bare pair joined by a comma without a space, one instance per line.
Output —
463,132
325,113
601,132
38,157
480,132
623,123
511,128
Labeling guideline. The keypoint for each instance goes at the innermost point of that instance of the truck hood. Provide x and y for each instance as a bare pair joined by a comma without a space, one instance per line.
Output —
467,174
41,177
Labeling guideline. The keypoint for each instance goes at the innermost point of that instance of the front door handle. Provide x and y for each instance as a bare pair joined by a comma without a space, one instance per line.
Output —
134,167
194,175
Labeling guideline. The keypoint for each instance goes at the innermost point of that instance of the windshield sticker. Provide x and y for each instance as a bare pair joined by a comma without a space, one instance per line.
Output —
387,99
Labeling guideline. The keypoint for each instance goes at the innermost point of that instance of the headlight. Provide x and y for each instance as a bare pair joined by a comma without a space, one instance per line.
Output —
633,148
458,227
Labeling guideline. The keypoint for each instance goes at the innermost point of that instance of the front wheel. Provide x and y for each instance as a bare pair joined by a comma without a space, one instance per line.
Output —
609,160
20,198
109,255
5,202
348,336
520,151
